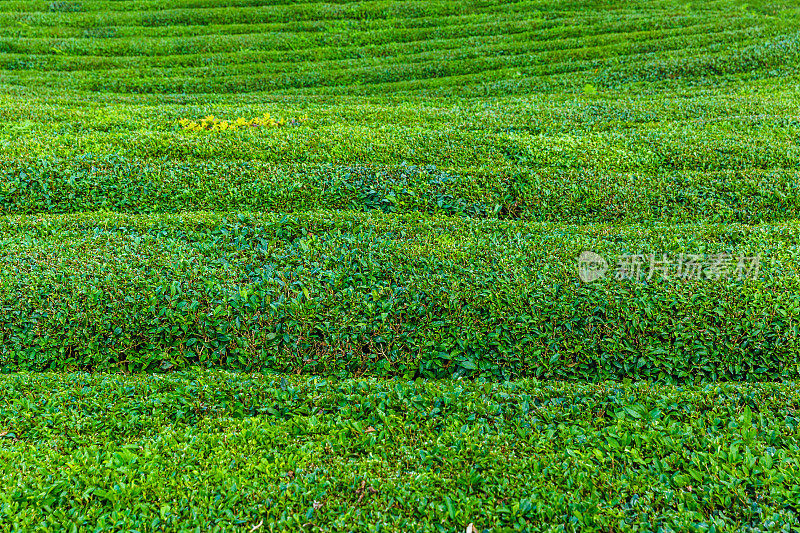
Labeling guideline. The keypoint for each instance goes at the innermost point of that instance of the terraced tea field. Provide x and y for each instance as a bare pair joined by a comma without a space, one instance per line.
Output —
272,266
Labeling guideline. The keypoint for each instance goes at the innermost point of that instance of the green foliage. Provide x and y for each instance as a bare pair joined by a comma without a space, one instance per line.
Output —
221,451
340,293
424,223
444,47
66,7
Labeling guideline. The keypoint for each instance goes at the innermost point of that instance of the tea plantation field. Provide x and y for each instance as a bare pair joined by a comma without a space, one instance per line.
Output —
271,265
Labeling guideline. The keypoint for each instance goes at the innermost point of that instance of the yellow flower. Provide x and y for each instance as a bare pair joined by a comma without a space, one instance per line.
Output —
212,123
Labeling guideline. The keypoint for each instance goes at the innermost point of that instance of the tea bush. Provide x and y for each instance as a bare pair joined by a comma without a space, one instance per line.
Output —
252,301
338,294
225,451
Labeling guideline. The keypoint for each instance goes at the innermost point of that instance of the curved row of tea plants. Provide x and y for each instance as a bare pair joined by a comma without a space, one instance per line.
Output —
568,196
339,293
722,157
379,47
424,222
221,451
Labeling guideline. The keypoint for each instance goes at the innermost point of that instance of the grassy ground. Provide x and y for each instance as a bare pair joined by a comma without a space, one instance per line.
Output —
368,317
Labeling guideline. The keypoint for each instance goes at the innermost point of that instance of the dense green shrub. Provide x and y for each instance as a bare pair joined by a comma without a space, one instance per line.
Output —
223,451
389,295
46,185
424,223
393,287
448,46
66,7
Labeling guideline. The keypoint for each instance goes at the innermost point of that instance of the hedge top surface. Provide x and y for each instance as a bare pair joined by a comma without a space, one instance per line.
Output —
450,148
224,451
448,47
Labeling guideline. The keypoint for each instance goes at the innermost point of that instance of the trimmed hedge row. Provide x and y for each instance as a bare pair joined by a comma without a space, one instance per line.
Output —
321,36
418,47
137,186
147,186
221,451
399,295
544,72
570,135
278,51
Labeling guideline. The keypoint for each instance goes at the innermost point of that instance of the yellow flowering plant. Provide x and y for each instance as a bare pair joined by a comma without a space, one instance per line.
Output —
212,123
